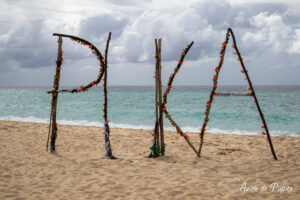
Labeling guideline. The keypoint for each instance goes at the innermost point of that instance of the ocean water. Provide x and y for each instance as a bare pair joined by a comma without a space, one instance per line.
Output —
133,107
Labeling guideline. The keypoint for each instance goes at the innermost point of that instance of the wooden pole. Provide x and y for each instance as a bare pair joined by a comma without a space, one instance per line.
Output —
105,78
179,131
155,142
211,97
254,95
156,76
161,121
165,96
106,123
55,96
156,147
50,124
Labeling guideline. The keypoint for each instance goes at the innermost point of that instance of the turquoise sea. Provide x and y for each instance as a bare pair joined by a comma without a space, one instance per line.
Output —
133,107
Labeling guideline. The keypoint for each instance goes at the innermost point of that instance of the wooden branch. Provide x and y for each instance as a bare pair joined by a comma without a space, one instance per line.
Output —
154,149
99,57
179,131
232,94
156,77
176,70
50,123
157,110
105,78
253,92
209,102
161,121
106,126
59,91
53,125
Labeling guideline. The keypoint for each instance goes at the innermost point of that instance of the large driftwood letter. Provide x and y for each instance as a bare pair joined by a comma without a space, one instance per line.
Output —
56,91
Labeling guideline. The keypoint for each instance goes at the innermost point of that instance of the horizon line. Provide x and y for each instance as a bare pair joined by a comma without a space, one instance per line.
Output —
20,86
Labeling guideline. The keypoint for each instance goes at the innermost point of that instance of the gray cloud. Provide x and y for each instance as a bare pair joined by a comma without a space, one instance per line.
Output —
127,2
205,22
99,26
216,12
268,35
27,46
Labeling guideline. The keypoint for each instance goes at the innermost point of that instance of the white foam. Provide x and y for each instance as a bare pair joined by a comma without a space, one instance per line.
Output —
25,119
143,127
129,126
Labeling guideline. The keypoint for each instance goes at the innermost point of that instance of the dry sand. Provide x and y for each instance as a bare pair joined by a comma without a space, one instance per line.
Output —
79,169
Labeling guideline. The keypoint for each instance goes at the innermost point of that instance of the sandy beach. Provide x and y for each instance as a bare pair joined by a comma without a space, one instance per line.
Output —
231,166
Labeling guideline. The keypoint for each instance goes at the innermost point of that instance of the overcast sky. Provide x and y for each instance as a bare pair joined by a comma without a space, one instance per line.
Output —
267,33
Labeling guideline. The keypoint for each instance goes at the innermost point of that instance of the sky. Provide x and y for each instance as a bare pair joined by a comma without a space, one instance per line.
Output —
267,33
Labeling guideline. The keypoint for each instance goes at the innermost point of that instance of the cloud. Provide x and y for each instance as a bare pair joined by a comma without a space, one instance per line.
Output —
258,27
267,34
99,26
127,2
295,46
177,28
27,46
215,12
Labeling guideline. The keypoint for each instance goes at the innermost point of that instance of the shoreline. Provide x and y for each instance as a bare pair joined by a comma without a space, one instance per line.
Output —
125,126
231,166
